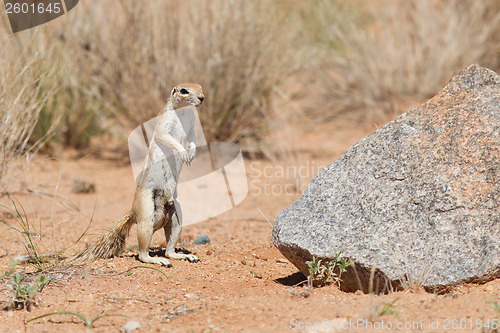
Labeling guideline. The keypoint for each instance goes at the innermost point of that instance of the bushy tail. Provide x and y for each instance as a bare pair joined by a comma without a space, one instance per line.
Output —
111,244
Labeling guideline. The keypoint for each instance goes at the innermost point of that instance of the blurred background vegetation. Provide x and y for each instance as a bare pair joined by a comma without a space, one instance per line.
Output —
108,65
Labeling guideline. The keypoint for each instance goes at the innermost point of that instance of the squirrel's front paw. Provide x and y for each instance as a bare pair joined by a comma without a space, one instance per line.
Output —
183,154
192,151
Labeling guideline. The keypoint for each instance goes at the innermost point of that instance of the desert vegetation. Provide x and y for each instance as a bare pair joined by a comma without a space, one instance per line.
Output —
26,87
109,66
380,57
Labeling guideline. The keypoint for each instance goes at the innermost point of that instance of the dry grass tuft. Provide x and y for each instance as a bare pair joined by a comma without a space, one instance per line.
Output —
237,50
115,62
121,59
382,54
25,89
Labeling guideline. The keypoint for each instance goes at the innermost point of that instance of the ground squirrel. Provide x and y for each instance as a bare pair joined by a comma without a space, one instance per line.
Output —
155,206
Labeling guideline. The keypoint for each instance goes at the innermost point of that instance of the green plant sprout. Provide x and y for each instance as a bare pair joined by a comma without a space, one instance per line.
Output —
29,233
328,271
24,294
12,268
387,309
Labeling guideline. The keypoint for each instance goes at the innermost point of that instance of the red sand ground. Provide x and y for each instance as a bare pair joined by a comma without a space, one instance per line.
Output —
242,282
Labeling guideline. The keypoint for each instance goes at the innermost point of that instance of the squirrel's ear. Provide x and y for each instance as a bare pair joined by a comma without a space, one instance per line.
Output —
173,92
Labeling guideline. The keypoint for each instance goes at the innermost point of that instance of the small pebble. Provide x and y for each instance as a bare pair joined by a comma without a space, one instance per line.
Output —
203,239
82,186
130,326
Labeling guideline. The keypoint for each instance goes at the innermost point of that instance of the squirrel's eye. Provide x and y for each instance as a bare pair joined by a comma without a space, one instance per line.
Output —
184,91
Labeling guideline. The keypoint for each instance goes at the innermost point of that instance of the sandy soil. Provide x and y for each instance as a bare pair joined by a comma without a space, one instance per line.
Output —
242,282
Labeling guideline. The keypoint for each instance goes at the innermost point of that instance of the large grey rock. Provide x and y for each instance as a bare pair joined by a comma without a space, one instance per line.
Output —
415,201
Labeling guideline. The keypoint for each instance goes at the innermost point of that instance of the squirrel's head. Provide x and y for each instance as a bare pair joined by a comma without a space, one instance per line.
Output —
187,94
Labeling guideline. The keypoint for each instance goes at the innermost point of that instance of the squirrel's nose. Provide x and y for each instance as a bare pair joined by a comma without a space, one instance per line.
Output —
201,99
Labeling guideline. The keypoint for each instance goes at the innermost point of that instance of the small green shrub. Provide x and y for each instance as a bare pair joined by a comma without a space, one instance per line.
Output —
24,293
327,272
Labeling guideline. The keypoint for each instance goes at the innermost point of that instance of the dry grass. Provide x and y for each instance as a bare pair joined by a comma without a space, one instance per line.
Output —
25,89
385,53
115,62
121,59
237,50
